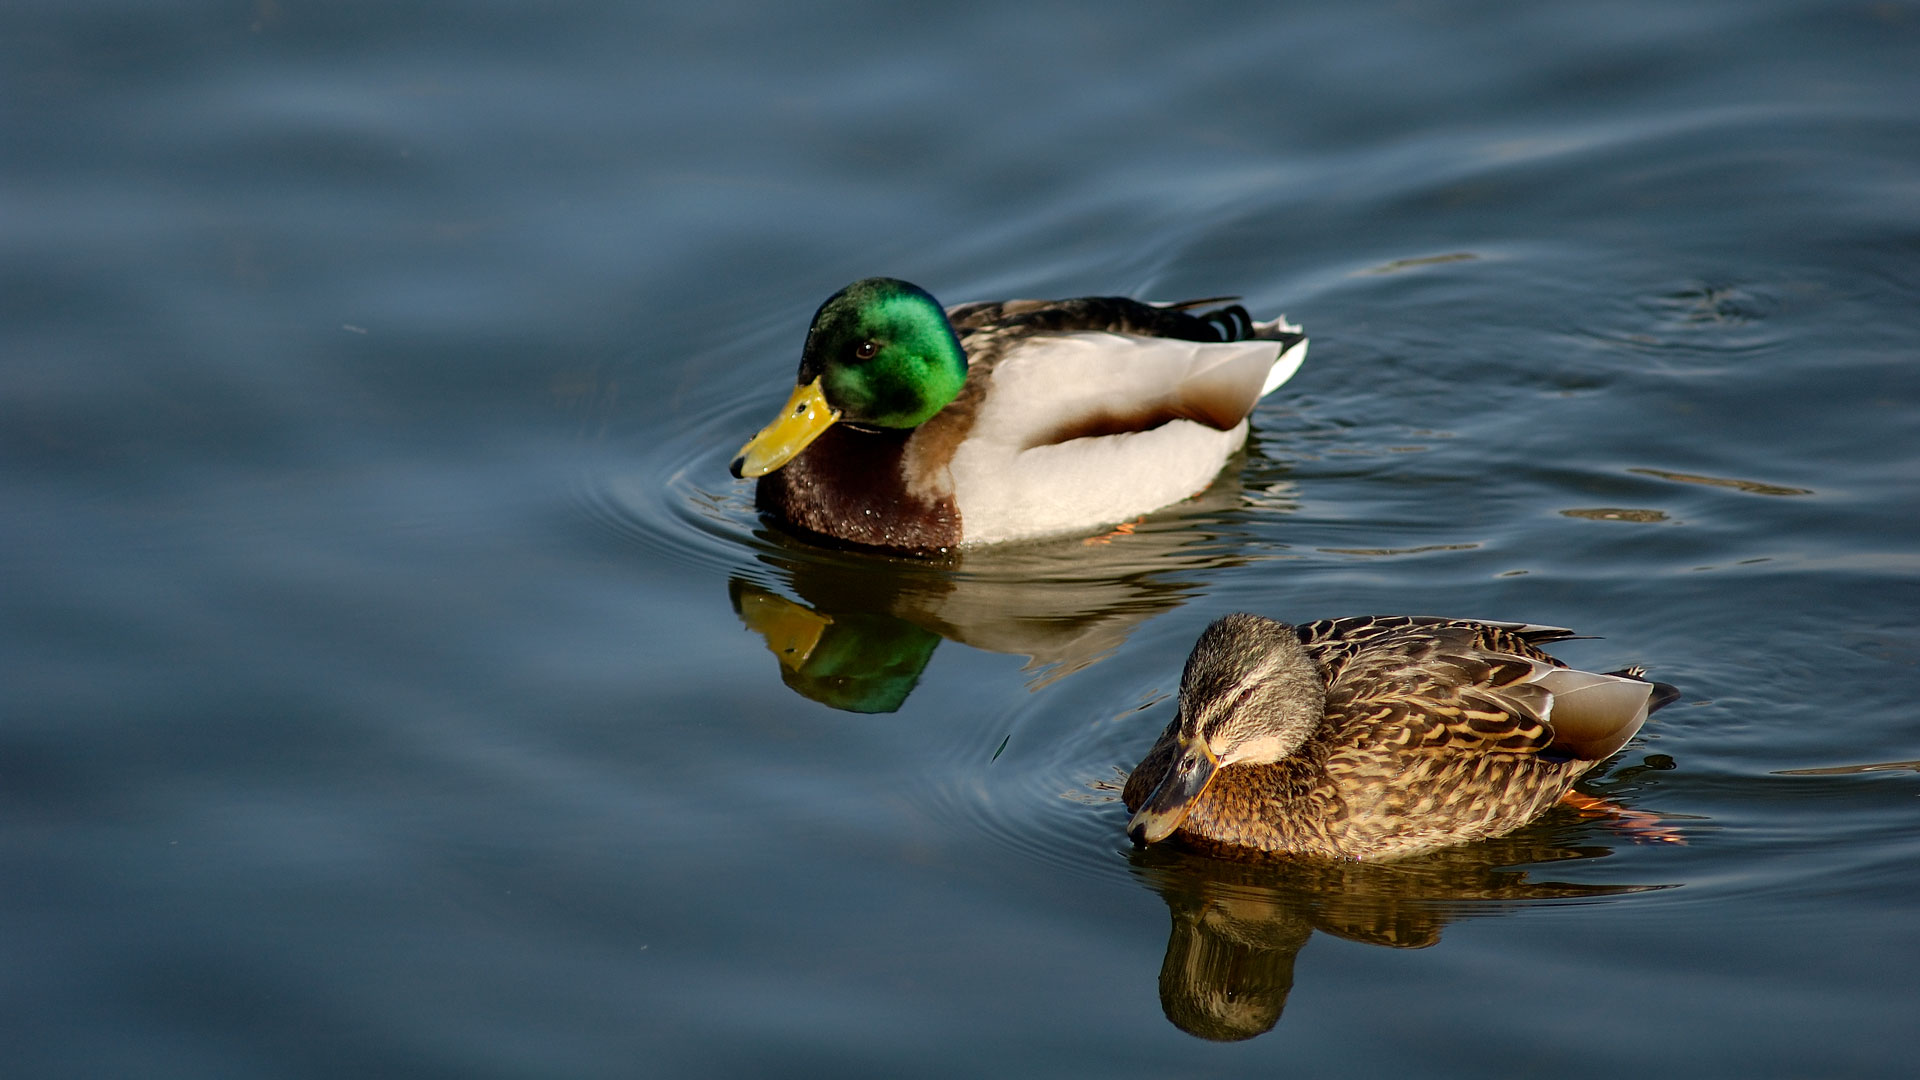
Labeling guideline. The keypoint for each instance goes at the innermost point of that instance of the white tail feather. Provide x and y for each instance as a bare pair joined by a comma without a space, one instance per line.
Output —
1284,367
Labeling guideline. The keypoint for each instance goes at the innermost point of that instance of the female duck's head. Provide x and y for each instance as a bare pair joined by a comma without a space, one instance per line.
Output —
1250,693
880,354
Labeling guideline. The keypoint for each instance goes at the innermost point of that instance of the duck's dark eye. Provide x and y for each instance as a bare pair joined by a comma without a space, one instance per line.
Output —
866,350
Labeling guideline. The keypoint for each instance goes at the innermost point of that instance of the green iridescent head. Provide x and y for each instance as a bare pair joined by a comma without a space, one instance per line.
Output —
880,354
884,354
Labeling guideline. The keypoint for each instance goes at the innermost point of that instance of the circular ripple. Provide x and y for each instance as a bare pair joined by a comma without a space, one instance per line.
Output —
1049,788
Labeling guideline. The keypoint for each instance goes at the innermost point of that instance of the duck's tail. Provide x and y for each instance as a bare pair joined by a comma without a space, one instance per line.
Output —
1233,323
1663,693
1293,351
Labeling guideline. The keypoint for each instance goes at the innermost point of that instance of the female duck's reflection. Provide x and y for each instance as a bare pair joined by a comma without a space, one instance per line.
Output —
1237,926
865,626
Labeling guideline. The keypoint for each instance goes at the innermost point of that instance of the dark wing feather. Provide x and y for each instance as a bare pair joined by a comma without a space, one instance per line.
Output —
1114,314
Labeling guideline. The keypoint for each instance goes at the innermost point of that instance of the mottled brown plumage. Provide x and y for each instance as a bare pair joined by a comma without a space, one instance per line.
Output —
1433,732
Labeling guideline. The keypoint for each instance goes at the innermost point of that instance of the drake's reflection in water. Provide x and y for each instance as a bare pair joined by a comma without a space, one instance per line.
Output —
865,624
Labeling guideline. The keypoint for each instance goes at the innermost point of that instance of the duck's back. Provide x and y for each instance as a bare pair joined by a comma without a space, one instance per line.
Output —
1096,410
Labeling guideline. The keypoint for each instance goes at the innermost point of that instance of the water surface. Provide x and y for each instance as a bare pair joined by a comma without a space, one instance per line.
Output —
397,684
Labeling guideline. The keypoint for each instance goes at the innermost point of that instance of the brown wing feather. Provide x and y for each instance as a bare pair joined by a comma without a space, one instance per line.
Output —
1412,683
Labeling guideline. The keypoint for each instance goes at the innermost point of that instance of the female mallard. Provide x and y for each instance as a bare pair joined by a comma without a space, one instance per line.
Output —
1376,736
1002,420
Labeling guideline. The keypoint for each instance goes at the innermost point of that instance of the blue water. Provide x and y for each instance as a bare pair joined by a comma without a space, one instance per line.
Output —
385,672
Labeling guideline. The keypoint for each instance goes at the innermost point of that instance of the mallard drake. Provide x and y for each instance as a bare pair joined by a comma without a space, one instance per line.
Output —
918,429
1375,736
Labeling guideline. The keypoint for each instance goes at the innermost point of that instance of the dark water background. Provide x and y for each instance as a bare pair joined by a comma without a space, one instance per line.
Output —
386,680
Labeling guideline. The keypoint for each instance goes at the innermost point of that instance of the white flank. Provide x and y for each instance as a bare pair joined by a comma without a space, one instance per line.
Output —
1008,489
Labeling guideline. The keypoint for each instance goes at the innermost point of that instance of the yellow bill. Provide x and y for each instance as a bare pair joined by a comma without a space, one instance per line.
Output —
792,632
801,421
